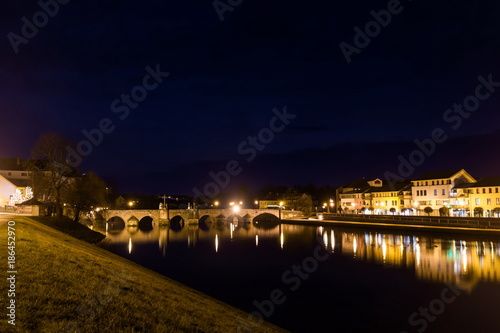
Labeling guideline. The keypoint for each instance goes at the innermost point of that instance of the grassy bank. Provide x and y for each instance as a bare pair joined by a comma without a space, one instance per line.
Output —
68,285
72,228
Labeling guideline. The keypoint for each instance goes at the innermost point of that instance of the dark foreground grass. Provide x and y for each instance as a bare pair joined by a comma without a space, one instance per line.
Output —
68,285
72,228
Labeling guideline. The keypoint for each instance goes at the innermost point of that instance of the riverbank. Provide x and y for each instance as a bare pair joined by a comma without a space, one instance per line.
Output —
64,284
395,222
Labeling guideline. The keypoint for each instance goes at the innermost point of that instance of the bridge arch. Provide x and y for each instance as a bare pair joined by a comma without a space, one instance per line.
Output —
146,224
133,221
235,220
177,223
115,224
266,221
205,222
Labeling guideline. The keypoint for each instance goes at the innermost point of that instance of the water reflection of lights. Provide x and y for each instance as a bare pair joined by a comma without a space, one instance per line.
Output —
256,240
325,240
384,250
354,246
216,243
231,228
282,239
463,254
130,245
417,253
332,240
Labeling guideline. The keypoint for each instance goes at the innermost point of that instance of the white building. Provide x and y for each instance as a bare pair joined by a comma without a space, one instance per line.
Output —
435,189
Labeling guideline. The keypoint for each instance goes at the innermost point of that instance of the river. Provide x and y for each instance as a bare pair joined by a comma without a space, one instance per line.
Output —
308,278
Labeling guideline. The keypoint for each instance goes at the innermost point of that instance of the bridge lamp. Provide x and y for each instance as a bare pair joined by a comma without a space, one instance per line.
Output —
216,204
231,203
241,202
130,204
236,209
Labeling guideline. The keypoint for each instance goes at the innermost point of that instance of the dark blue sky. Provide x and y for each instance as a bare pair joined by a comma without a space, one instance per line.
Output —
353,120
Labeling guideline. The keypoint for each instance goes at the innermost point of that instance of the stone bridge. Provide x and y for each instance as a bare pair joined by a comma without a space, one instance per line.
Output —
180,217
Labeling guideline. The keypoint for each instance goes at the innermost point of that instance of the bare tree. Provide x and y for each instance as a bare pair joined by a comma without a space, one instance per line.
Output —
50,170
86,191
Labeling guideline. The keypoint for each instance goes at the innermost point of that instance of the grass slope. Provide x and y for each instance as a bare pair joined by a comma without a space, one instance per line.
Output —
68,285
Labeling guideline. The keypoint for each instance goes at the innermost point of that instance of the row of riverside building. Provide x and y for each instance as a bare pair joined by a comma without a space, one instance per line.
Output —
450,193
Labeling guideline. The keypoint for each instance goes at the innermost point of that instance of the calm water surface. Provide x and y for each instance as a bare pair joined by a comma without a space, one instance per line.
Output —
330,278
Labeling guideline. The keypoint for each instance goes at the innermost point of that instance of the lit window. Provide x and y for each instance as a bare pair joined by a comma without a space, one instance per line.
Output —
488,201
478,202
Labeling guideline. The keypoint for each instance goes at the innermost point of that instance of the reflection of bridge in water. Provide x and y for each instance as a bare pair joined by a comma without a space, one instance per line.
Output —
432,257
177,218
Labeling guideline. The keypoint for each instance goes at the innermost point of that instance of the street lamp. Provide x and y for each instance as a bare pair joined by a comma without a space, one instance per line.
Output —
130,204
331,206
216,203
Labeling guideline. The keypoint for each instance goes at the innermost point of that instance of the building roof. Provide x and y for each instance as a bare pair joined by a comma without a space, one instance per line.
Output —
465,185
13,164
438,175
391,188
487,181
358,183
19,164
18,182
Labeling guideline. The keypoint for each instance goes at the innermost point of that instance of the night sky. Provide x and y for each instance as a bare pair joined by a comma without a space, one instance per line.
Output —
350,120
